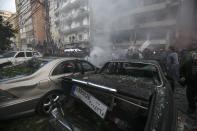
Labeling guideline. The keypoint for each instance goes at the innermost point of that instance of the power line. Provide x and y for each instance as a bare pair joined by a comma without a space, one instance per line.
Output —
25,5
35,6
35,10
19,14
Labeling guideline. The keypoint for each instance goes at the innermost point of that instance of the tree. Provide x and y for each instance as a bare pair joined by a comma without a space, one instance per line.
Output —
6,32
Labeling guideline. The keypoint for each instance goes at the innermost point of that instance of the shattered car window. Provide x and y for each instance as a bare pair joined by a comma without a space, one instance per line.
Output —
24,69
138,71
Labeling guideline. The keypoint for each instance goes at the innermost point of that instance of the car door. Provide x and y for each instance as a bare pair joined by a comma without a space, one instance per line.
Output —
62,69
87,68
28,55
20,57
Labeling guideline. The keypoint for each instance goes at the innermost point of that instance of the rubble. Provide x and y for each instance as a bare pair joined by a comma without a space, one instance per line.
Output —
185,122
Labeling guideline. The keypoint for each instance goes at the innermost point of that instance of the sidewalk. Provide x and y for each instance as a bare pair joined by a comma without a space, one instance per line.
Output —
185,122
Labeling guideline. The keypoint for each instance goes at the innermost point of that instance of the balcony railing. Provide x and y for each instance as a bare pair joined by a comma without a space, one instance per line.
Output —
68,5
75,29
150,8
76,17
164,23
154,24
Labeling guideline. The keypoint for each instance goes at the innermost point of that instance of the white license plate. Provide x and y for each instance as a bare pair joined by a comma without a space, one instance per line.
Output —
96,105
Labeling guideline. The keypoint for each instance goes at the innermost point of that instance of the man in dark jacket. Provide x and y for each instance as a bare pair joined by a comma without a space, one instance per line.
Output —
172,66
189,71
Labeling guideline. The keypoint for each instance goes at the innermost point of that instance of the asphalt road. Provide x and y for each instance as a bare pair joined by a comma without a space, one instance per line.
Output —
38,123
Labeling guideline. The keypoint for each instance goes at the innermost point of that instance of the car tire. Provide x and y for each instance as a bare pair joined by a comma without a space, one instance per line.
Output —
50,101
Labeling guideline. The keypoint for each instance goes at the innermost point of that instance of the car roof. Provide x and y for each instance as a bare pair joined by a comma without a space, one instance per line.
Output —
59,58
136,61
24,51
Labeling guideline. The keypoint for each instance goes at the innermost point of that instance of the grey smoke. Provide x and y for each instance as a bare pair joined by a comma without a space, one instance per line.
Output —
104,18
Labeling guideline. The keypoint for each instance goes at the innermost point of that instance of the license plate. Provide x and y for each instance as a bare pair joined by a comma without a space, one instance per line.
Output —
97,106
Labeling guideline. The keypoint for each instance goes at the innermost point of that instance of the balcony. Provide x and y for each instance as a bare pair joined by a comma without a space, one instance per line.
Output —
72,5
150,8
153,42
154,24
163,23
81,15
78,41
76,17
75,29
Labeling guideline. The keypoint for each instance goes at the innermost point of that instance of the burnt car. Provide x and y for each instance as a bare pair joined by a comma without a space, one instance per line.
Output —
125,95
34,85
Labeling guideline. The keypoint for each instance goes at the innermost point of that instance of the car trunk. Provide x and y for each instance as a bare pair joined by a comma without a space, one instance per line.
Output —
127,106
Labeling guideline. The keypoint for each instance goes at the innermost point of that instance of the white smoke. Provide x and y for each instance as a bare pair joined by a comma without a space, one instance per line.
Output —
103,14
98,56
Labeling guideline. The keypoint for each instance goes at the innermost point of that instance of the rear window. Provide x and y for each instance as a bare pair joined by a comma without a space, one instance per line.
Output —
134,71
24,69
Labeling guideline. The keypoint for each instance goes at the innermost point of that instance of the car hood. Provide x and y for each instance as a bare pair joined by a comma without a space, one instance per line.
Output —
4,60
124,85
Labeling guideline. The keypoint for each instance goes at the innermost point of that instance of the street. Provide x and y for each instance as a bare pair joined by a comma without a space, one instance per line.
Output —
98,65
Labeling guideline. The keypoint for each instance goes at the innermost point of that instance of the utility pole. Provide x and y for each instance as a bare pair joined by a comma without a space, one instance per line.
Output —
48,34
91,22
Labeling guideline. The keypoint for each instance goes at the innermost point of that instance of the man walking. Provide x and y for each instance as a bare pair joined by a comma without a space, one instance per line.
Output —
189,71
173,66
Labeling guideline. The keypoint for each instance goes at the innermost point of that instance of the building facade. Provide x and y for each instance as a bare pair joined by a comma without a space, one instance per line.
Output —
72,18
53,18
31,17
159,21
39,22
23,9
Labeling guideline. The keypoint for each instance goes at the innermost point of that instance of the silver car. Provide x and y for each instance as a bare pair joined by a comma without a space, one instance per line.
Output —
35,85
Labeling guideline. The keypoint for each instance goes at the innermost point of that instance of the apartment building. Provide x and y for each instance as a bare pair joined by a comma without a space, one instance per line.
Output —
23,9
159,21
72,18
39,22
31,17
53,18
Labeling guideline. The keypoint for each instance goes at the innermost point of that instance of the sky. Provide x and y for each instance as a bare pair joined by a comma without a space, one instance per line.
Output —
8,5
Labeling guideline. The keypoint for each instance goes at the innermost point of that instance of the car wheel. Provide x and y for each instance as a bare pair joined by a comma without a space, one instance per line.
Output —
49,101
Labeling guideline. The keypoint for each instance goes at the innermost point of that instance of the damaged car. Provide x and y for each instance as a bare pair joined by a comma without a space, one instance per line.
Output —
126,95
34,85
17,57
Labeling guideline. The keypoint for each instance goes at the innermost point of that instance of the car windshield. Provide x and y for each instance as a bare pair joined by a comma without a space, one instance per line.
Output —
21,70
9,54
133,71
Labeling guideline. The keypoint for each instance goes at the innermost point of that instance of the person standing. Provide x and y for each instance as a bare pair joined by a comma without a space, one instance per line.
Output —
189,71
172,67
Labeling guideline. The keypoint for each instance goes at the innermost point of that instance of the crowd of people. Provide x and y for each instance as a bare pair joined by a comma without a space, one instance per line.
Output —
181,67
